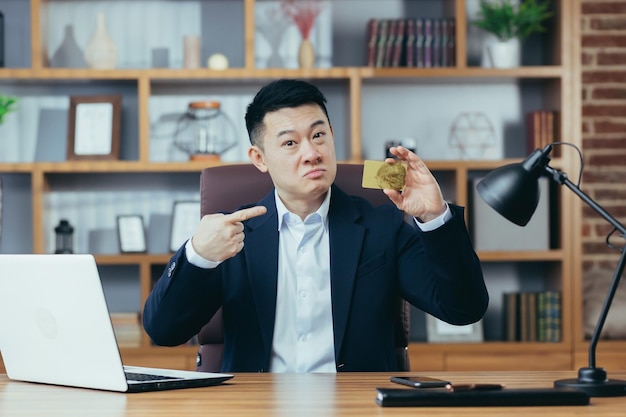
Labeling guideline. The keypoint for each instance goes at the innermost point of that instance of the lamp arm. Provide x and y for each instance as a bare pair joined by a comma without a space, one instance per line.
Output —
561,178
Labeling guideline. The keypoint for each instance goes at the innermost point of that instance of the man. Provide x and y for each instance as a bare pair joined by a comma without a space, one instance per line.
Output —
309,277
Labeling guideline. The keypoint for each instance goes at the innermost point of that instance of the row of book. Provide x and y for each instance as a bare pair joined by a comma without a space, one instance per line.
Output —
411,42
532,316
542,128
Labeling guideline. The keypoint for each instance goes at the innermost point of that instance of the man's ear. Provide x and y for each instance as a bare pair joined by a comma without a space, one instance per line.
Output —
256,157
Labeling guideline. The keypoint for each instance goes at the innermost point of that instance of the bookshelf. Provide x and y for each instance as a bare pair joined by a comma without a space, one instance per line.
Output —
367,106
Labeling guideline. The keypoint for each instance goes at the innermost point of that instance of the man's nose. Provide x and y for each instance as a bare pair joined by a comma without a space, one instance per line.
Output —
310,151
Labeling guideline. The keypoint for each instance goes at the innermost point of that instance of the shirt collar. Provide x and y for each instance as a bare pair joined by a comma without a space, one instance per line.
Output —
322,211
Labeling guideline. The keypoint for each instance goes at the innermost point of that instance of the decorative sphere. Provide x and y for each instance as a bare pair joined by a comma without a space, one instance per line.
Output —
217,62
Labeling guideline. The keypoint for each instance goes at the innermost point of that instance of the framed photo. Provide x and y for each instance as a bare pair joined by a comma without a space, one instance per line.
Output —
131,234
185,218
439,331
94,127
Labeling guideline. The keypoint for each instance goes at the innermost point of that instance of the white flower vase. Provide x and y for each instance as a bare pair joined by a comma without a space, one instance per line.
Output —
101,52
505,54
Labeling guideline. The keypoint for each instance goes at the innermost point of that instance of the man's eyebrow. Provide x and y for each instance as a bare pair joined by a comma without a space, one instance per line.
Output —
313,125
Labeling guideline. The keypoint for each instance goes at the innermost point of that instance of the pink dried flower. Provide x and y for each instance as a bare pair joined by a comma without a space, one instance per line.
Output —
303,13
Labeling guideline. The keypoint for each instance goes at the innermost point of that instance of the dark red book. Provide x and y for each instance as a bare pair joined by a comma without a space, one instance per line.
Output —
372,37
396,60
419,43
451,44
428,43
534,136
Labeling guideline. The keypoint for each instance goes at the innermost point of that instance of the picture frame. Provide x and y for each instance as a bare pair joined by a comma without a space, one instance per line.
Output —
438,331
185,218
94,127
131,233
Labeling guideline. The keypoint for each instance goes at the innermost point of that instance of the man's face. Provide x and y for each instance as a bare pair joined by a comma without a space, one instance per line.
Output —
298,152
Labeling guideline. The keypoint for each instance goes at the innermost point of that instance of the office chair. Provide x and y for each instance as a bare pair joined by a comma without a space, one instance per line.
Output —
226,188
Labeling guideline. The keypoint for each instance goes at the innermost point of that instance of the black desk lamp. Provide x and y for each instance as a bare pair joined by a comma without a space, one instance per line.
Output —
513,191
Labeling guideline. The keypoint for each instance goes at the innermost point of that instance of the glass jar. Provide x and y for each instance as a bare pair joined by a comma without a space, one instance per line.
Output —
204,131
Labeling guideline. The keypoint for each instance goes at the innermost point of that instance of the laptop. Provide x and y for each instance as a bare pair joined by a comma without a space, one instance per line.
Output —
55,329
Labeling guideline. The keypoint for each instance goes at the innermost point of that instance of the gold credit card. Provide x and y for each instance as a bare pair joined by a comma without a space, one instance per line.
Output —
380,174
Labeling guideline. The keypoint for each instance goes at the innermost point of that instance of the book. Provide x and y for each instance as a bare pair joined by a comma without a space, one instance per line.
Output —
553,316
427,49
556,132
372,37
523,317
409,44
510,303
451,43
390,42
381,42
542,335
436,43
531,334
444,43
398,50
534,134
419,43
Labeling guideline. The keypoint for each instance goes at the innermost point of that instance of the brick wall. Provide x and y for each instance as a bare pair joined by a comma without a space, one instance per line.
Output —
603,66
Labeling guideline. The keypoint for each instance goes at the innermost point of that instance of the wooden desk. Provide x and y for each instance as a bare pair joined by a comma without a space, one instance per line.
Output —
298,395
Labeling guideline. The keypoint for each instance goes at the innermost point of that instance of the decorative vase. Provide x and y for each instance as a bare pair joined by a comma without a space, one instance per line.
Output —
101,52
191,52
505,54
306,54
69,54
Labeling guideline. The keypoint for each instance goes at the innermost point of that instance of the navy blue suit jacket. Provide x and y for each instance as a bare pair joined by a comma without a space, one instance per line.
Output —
375,256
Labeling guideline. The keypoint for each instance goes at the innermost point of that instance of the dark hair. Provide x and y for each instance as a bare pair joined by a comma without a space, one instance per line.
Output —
277,95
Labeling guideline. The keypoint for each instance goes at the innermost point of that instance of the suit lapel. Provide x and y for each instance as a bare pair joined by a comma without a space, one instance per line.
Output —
262,256
346,238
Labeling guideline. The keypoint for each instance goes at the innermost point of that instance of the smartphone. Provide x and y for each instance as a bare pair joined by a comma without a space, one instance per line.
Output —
420,381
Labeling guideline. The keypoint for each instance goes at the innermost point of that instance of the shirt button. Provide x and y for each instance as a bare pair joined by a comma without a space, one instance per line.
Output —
303,294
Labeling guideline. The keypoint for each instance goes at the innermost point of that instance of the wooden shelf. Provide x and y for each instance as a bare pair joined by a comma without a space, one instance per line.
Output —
263,74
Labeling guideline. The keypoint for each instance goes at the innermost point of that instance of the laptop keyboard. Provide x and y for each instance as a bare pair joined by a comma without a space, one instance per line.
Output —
133,376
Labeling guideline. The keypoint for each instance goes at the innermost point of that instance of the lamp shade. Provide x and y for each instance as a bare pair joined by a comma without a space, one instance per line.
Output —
513,190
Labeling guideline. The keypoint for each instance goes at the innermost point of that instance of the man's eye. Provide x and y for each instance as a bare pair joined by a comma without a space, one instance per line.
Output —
289,143
318,135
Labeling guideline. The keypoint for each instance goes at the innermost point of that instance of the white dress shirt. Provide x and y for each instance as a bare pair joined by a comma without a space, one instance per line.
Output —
303,328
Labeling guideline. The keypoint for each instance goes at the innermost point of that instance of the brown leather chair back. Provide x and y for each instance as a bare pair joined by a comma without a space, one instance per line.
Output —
224,189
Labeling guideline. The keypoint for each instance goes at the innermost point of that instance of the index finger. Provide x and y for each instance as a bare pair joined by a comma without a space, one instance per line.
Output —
247,213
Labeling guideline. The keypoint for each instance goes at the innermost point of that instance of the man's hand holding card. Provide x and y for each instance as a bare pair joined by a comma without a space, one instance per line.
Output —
408,183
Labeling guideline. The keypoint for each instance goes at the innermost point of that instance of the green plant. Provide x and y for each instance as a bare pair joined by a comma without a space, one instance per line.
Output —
507,20
7,105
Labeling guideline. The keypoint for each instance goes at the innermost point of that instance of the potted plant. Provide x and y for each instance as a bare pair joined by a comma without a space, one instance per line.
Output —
511,22
6,106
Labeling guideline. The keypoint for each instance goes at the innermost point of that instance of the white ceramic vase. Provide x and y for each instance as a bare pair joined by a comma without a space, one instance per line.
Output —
101,52
505,54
